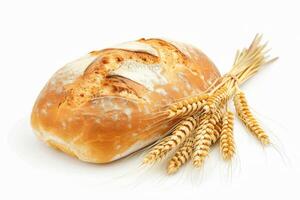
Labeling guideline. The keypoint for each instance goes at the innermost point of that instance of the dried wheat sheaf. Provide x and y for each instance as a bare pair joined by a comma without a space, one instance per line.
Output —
205,119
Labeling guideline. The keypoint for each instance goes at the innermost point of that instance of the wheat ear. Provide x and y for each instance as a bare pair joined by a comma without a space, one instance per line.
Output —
204,137
177,137
227,144
219,97
244,113
156,153
182,155
181,132
187,106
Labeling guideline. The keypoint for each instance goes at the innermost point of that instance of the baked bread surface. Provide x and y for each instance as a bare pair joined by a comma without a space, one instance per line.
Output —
102,106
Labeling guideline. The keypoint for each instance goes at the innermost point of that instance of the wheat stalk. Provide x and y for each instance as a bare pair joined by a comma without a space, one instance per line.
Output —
205,117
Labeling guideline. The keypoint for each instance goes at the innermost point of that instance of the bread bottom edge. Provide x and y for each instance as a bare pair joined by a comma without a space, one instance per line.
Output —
79,152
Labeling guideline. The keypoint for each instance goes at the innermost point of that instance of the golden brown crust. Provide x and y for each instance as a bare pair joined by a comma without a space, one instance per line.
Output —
98,108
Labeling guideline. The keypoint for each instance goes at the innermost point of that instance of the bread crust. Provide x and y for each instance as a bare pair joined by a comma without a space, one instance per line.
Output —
100,108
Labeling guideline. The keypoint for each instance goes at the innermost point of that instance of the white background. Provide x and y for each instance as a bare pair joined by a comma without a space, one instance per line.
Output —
38,37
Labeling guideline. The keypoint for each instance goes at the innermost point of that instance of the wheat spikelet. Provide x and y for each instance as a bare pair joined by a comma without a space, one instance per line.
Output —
216,116
187,106
182,155
183,130
217,132
227,145
205,136
248,119
218,128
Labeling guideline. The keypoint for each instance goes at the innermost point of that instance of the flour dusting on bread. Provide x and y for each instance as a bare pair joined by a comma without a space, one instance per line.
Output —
146,75
72,70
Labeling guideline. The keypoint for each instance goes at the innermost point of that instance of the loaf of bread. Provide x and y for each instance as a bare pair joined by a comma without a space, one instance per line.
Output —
102,106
